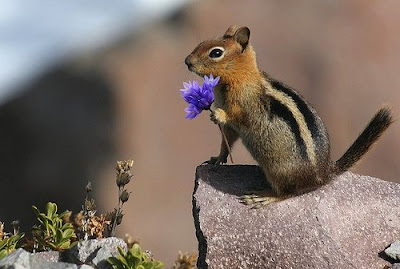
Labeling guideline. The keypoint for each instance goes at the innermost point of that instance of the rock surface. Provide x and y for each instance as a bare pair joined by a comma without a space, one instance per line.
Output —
94,252
87,254
394,251
22,259
18,259
345,224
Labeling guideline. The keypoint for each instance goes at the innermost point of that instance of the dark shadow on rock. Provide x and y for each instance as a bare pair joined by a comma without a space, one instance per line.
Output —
233,179
202,246
384,256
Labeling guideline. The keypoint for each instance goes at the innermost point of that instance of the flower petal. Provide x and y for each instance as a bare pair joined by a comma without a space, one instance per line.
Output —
192,112
199,97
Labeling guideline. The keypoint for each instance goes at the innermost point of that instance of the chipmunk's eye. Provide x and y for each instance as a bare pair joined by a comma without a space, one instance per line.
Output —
216,52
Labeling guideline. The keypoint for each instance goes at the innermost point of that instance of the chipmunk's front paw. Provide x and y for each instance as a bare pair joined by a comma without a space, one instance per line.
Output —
216,160
218,116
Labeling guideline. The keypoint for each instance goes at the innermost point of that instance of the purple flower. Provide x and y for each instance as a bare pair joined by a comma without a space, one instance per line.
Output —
192,111
198,98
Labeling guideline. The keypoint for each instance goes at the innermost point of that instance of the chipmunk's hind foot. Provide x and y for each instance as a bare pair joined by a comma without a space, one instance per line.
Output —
259,199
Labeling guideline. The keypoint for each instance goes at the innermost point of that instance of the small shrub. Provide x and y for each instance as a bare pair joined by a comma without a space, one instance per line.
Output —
134,258
53,233
91,226
8,242
185,261
88,225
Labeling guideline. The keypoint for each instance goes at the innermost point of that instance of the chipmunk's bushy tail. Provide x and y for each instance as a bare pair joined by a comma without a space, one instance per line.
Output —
379,123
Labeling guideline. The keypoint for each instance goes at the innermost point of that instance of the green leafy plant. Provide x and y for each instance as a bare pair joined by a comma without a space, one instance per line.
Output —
8,242
134,258
53,233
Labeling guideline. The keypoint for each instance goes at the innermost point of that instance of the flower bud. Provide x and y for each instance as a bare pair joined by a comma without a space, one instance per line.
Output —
124,196
123,179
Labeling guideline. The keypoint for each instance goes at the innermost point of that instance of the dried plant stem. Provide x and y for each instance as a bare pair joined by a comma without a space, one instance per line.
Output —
117,212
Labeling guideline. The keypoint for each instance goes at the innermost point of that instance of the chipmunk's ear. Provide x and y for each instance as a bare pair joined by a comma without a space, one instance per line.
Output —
242,36
231,31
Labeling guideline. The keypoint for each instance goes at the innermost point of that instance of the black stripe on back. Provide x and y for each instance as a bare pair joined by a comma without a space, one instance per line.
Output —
301,104
280,110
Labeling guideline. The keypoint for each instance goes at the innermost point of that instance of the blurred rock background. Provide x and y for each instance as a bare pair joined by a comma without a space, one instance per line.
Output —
110,92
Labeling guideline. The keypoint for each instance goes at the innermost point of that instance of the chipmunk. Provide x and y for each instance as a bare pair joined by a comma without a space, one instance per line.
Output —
279,128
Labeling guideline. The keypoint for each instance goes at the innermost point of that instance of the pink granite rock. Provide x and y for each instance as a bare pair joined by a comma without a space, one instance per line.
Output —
345,224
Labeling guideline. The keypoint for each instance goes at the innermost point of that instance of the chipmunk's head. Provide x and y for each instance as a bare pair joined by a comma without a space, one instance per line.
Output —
226,57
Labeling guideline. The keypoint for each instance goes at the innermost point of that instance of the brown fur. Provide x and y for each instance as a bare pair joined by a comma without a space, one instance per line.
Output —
280,129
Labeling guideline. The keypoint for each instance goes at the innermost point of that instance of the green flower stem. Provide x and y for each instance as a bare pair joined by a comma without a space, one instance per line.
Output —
225,139
226,143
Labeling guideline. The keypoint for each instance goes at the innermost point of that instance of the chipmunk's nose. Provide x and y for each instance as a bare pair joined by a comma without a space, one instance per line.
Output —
188,62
